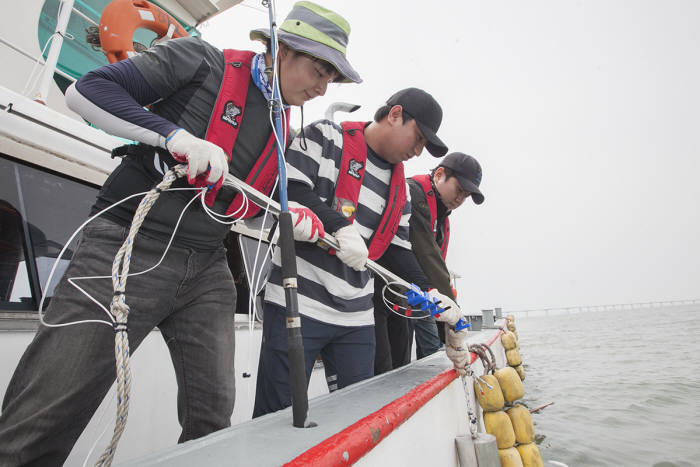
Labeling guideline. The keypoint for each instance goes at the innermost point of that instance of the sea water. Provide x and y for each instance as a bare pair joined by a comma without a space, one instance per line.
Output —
625,386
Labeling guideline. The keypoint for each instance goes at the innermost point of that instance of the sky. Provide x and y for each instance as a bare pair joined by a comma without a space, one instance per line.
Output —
584,116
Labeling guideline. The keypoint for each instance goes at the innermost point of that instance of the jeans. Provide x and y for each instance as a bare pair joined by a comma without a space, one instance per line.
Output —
347,350
65,372
392,334
427,337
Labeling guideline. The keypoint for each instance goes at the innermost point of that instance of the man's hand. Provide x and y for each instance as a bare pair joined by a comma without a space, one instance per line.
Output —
307,226
353,250
457,348
207,163
451,311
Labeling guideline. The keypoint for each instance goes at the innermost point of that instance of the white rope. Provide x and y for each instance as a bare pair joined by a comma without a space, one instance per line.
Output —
120,311
473,428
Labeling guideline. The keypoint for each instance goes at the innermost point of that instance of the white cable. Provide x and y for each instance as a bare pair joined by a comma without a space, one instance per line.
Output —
390,305
216,216
110,407
31,81
72,279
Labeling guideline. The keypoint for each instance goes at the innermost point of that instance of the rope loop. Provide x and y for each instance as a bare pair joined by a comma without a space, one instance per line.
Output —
485,354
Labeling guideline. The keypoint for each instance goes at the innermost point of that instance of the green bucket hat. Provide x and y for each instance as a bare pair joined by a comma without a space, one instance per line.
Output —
317,31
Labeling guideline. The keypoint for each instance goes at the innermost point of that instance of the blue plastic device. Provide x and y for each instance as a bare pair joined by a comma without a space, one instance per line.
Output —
417,298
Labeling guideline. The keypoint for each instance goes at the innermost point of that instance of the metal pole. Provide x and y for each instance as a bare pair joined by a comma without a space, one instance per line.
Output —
328,242
295,344
339,107
64,11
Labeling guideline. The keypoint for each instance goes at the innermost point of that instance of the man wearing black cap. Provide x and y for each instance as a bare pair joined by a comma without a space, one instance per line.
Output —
433,198
351,176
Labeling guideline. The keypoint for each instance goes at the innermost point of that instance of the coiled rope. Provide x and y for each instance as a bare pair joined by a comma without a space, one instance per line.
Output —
485,354
120,311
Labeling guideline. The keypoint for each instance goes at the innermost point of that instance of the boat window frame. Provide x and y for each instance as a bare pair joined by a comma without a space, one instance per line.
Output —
29,308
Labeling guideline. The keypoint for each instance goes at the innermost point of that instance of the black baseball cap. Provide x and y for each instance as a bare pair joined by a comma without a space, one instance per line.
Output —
426,112
468,173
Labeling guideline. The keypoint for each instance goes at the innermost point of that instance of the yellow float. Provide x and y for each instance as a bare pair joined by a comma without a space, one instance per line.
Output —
530,455
523,427
490,400
521,372
513,357
508,340
510,458
498,424
510,384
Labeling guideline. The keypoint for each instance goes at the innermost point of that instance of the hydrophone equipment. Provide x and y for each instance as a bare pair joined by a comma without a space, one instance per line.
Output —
416,297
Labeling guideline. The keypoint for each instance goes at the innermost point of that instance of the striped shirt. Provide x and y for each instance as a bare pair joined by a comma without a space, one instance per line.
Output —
328,290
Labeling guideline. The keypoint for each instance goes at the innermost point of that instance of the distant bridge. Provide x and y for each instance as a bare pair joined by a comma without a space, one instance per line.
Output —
567,310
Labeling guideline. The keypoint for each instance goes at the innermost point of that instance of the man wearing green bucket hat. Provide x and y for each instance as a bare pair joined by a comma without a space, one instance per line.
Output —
208,110
318,32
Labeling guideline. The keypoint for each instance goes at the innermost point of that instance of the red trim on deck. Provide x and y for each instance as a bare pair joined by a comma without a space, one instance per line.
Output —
348,446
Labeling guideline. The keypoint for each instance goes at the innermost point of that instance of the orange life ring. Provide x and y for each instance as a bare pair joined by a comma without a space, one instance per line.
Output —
119,20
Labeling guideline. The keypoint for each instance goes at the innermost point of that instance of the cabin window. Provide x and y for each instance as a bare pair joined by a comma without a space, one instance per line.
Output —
39,211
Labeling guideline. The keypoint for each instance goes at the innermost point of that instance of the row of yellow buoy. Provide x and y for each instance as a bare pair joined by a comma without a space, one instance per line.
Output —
513,428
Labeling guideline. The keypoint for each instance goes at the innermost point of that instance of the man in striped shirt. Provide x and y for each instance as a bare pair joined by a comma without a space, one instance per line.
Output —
351,177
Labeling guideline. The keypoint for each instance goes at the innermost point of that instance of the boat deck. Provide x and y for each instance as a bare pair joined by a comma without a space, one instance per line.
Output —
271,440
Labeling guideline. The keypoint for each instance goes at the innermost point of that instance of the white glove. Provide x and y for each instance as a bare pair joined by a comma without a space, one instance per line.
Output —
199,154
353,250
452,314
307,226
457,348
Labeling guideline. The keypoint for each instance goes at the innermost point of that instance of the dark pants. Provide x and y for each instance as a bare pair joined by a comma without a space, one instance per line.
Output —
348,349
393,337
65,372
427,336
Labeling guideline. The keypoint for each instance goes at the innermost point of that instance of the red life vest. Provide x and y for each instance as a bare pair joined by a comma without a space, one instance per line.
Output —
347,188
225,121
424,182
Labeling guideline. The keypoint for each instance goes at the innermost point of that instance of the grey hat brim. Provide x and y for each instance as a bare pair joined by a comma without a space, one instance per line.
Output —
435,146
323,52
469,186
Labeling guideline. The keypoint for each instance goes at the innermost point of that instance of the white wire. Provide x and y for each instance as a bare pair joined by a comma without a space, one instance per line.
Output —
390,305
215,215
257,267
110,408
72,279
32,80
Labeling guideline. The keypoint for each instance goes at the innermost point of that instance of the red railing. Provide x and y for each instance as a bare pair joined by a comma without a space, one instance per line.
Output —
349,445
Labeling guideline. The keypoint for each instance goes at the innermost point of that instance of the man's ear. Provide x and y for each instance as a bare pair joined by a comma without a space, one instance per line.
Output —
395,115
438,173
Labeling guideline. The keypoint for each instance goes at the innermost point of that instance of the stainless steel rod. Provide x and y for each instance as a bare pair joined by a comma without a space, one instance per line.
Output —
273,206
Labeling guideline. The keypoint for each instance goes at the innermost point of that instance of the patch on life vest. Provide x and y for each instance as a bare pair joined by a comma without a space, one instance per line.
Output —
354,168
231,111
345,207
